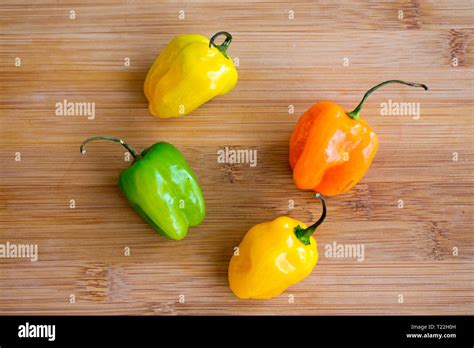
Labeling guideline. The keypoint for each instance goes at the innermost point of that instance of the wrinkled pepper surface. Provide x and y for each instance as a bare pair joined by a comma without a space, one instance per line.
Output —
190,71
162,188
331,149
273,256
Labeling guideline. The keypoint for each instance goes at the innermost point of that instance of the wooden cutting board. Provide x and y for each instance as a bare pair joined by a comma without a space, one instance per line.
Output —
412,212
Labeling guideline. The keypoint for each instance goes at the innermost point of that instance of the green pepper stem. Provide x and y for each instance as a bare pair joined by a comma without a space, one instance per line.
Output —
223,46
117,140
303,234
356,113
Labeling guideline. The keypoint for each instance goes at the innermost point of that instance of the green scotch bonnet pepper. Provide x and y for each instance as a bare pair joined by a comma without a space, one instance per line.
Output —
162,188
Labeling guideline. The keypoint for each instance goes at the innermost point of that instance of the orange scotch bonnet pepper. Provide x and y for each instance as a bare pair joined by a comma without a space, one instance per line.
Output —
331,149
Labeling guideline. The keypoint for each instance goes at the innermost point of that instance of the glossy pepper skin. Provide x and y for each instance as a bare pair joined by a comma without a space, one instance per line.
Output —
331,149
189,72
162,188
273,256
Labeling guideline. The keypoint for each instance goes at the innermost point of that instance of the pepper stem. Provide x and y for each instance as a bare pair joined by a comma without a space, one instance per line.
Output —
117,140
223,46
303,234
356,113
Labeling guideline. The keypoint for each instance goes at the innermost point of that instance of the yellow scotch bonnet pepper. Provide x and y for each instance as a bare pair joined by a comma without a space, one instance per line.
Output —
273,256
190,71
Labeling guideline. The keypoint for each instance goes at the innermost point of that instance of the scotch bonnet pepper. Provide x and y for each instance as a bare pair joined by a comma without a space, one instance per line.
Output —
331,149
273,256
190,71
162,188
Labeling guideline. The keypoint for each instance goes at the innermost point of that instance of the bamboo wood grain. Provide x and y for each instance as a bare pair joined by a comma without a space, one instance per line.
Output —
282,62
